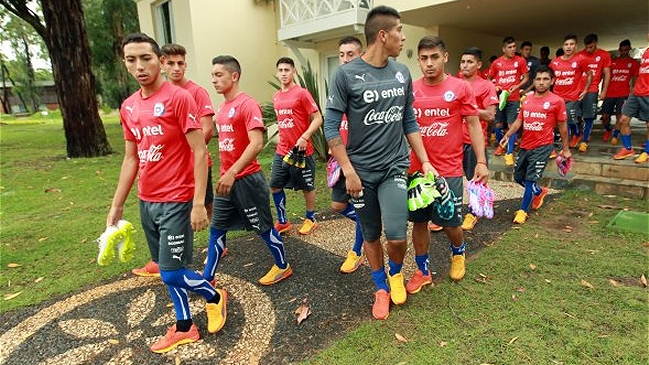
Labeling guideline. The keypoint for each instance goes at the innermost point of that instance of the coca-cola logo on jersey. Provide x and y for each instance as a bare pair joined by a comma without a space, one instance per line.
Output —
533,126
226,145
153,154
286,123
437,129
394,114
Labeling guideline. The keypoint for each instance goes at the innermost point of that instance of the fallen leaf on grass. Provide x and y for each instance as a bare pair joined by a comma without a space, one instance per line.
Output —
569,315
84,240
521,289
38,280
567,229
587,284
482,280
548,281
302,312
532,266
512,340
113,341
643,280
610,196
169,305
614,283
92,261
443,343
514,297
536,235
42,239
65,177
603,335
605,206
11,296
593,222
485,276
646,244
400,338
53,190
204,250
13,265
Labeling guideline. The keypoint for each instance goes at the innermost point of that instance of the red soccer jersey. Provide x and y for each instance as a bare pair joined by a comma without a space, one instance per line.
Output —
597,61
293,108
622,70
540,115
233,121
485,95
507,72
158,124
439,110
641,87
568,74
203,103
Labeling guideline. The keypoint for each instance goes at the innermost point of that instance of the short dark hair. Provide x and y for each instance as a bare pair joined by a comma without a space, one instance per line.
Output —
625,42
173,49
570,36
526,43
286,60
590,38
559,52
141,38
475,52
493,58
544,68
507,40
545,49
350,40
229,62
429,42
379,18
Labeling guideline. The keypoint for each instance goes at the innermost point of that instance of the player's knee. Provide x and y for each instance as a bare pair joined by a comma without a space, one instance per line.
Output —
338,206
171,277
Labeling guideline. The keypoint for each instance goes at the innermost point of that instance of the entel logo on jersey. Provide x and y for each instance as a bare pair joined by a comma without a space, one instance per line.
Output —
224,128
226,145
432,112
149,131
370,96
158,109
449,96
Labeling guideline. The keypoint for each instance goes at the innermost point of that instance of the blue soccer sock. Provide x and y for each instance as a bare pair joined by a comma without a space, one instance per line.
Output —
531,189
458,250
422,263
181,280
358,241
276,247
379,279
394,267
511,143
573,130
588,127
215,249
499,134
626,141
646,146
349,212
616,133
280,203
310,214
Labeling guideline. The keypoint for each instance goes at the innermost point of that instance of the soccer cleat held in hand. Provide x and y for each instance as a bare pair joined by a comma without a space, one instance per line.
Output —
445,204
300,159
422,191
502,99
290,156
563,165
333,172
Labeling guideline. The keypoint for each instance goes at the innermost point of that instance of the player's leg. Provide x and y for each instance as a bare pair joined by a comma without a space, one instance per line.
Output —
589,112
454,232
279,177
307,184
643,115
630,109
511,111
608,108
340,203
421,243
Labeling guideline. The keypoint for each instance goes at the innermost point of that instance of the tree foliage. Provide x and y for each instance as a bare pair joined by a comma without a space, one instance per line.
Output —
108,21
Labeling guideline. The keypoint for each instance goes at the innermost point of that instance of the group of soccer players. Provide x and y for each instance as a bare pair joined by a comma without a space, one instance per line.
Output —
381,127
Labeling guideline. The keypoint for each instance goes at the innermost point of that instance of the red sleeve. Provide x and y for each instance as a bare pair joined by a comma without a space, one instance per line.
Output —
522,66
469,105
308,103
492,70
607,59
635,68
560,111
203,102
128,134
251,112
490,96
186,111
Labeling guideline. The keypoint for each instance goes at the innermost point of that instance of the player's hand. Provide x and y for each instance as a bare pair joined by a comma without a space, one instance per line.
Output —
481,174
114,215
503,141
513,89
427,167
602,96
581,96
354,185
199,217
225,183
301,144
566,153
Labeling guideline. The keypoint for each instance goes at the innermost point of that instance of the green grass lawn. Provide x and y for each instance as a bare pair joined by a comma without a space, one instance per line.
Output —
53,209
523,300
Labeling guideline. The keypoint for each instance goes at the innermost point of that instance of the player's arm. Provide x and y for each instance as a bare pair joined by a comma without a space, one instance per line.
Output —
518,86
207,125
333,118
607,78
589,79
563,131
513,128
127,173
256,144
488,114
477,143
196,141
315,123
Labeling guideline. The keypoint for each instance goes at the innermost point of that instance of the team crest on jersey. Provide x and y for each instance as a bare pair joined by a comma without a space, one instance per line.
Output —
628,65
158,109
546,105
399,77
516,64
598,58
574,65
449,96
231,112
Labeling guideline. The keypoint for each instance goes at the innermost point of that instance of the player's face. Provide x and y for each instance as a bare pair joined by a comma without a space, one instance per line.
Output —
590,48
174,67
393,39
348,52
431,62
142,62
624,51
542,82
285,73
526,51
569,47
222,78
509,50
469,65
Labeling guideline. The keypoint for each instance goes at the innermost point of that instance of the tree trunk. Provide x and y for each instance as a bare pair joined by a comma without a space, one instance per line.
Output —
67,42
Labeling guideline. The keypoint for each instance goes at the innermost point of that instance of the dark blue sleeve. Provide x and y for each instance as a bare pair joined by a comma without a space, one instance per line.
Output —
332,121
